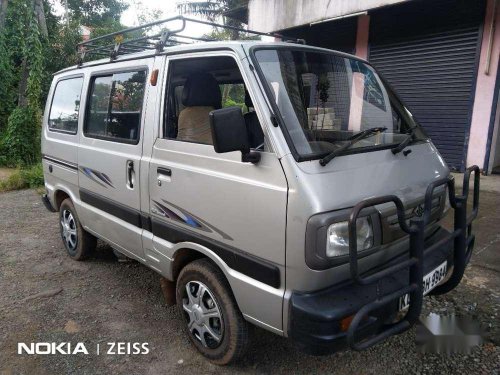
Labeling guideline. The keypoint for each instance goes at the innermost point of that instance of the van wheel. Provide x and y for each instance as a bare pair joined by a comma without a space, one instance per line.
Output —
213,321
78,243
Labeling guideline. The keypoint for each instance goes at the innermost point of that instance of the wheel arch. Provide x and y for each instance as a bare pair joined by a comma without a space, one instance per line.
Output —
183,256
59,196
244,289
188,252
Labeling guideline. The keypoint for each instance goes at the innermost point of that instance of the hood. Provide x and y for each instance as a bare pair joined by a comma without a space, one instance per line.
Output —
348,179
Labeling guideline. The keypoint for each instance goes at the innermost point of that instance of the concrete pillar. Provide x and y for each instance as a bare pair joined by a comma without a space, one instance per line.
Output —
362,35
485,87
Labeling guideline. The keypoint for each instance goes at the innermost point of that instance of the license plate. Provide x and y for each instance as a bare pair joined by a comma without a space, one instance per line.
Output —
432,279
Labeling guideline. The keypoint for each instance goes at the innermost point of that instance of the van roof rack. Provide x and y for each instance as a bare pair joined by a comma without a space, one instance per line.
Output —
135,39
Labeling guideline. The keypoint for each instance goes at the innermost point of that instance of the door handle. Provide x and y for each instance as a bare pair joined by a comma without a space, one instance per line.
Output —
130,174
164,171
163,174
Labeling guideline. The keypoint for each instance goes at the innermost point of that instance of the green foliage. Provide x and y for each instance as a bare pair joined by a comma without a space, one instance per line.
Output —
226,34
27,61
34,56
21,142
213,10
59,47
230,103
233,95
97,13
24,178
6,92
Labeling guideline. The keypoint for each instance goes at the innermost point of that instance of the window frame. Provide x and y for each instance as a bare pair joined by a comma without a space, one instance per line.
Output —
190,55
65,78
281,122
88,100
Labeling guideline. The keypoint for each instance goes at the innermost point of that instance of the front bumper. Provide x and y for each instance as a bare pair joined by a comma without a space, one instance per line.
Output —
315,317
371,300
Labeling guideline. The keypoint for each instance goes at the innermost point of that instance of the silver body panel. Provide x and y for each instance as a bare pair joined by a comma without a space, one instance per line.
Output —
261,210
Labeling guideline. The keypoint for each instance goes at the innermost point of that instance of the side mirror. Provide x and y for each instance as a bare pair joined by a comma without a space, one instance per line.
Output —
229,133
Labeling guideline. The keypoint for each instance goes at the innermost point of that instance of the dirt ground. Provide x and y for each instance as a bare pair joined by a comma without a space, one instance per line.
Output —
46,297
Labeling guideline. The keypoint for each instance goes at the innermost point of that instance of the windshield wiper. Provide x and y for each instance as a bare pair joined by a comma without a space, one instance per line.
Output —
405,142
354,139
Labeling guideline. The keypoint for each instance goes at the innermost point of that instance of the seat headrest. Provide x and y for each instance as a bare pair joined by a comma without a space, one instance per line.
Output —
248,100
201,90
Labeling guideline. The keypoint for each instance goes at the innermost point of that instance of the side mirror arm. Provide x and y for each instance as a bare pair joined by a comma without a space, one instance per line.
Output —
250,157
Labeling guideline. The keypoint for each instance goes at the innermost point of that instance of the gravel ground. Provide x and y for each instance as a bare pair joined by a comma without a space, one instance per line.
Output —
103,300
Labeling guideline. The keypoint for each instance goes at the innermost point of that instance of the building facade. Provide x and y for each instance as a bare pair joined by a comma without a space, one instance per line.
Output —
440,56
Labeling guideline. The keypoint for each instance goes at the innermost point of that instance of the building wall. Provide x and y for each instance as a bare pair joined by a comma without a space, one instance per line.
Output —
277,15
265,15
485,88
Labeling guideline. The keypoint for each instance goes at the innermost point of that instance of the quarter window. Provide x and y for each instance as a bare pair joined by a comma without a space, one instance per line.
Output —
115,106
63,115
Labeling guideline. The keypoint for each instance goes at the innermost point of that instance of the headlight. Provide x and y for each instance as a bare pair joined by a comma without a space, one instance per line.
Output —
337,242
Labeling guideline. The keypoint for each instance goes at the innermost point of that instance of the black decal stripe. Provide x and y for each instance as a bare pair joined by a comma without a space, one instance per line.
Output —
64,163
146,223
249,265
111,207
101,177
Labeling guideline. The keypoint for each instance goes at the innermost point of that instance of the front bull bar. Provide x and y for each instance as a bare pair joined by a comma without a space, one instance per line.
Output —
463,243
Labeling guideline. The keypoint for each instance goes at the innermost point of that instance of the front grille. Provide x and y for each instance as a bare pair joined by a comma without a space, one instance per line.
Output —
392,231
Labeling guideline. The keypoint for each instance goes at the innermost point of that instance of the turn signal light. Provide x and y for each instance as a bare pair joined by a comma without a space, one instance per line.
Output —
154,77
346,322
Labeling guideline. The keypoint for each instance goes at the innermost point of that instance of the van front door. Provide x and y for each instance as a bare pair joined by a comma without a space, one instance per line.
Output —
235,209
109,157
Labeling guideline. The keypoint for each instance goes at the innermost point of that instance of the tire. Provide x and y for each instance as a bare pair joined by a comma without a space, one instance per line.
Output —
79,244
227,322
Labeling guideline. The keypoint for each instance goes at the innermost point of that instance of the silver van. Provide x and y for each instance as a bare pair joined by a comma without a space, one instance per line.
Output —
274,184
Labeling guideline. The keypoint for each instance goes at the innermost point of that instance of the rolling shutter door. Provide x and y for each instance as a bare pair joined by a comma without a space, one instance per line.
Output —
428,52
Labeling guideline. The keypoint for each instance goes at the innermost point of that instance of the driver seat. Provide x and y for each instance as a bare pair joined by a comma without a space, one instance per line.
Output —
200,95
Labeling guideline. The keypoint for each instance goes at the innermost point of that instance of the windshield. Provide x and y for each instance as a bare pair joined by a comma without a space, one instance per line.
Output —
326,99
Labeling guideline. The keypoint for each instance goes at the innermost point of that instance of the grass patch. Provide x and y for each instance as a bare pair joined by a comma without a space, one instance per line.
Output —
24,178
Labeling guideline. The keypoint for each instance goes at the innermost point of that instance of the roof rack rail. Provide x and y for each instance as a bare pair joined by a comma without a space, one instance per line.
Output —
135,39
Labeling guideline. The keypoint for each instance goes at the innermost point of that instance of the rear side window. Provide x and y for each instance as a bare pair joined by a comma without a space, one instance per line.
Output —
63,115
115,106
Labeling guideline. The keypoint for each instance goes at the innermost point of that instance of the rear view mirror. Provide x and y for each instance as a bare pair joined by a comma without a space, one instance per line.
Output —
229,133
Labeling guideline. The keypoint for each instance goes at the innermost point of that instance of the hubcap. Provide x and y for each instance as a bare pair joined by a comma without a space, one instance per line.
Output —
68,230
203,314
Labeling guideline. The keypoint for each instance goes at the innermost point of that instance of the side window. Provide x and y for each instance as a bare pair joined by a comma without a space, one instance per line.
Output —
63,115
115,106
233,94
197,86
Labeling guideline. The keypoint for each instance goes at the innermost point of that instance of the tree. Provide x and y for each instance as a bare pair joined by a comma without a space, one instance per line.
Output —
34,43
214,10
101,16
3,12
97,13
23,125
5,71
